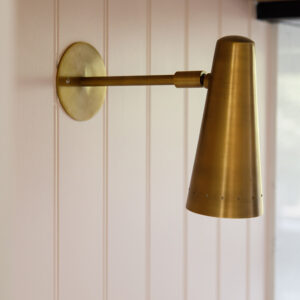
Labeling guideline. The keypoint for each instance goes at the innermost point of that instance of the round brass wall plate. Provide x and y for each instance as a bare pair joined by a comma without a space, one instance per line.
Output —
80,60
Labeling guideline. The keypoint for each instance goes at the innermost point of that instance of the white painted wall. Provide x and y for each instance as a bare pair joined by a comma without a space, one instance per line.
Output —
95,210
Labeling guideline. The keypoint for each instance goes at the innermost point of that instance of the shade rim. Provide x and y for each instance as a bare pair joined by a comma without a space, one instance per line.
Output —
224,216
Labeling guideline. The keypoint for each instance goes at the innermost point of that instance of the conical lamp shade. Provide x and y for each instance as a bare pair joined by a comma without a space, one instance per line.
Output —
226,180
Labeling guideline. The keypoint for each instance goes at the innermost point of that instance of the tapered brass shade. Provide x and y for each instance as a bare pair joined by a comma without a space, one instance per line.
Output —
226,180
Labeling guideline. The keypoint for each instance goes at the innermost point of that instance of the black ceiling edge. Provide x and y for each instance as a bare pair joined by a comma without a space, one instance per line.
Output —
278,10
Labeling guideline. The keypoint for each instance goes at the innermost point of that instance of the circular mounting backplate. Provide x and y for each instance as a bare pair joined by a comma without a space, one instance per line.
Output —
81,60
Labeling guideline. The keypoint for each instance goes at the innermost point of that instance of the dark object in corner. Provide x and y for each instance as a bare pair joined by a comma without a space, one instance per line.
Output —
278,10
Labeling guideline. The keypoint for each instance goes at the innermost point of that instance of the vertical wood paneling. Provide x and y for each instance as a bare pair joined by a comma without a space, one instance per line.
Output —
167,149
7,146
259,33
104,265
80,170
126,152
234,233
127,168
55,158
31,231
148,157
105,160
262,242
202,230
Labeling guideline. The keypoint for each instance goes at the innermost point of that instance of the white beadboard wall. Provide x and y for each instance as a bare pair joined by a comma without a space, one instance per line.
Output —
96,210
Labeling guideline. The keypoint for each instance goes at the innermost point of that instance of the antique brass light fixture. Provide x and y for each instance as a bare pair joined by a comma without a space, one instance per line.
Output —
226,180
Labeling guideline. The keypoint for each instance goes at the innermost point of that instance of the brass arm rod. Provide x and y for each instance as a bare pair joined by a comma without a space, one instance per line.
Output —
179,79
123,80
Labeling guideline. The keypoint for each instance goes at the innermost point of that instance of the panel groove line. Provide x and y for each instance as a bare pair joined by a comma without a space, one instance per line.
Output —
185,154
148,158
81,241
248,266
127,183
105,114
56,157
218,259
257,238
202,230
167,157
218,253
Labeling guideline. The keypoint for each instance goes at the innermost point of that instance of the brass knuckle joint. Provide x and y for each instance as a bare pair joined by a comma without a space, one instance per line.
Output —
188,79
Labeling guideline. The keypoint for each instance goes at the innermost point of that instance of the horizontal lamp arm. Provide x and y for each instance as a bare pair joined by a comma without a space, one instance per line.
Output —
81,80
179,79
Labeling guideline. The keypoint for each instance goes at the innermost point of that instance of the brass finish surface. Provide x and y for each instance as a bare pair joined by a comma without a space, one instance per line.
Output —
183,79
118,80
188,79
226,179
80,102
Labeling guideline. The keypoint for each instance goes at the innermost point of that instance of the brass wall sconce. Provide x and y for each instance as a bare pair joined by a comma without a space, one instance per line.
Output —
226,179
